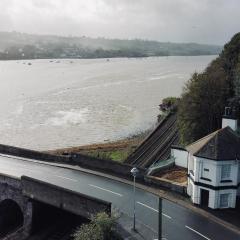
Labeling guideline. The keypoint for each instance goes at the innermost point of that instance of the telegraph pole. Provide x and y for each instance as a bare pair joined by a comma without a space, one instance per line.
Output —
159,219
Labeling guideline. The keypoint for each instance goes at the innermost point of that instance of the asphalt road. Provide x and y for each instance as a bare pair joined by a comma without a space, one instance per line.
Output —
178,222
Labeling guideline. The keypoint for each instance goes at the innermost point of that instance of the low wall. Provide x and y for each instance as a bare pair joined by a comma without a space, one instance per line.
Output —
31,154
101,165
108,166
164,183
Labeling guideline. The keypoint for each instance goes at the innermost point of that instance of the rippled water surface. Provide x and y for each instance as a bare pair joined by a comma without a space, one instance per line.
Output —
50,103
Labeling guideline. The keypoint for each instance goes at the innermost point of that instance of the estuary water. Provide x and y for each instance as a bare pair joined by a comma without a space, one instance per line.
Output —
49,104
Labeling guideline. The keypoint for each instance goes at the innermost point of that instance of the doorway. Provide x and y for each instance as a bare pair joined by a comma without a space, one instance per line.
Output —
204,197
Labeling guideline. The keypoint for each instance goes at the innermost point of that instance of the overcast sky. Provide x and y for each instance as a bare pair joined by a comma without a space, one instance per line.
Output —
203,21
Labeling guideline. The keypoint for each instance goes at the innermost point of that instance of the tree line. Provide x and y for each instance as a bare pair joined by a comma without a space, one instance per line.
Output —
206,94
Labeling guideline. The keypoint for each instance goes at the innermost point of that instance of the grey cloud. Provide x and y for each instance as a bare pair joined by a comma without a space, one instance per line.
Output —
205,21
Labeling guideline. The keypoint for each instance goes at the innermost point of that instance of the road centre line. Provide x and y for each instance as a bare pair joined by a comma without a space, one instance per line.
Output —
70,179
197,232
153,209
106,190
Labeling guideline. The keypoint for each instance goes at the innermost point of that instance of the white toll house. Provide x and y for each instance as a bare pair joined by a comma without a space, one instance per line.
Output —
213,164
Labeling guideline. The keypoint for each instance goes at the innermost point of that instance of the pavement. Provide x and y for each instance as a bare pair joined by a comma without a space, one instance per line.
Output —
180,219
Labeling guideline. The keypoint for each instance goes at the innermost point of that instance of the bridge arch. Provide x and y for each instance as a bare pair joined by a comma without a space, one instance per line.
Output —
11,217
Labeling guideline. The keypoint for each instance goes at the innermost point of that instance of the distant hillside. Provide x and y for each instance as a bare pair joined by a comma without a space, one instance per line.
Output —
15,45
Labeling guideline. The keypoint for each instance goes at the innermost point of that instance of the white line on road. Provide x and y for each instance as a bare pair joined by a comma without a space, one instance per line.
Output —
70,179
197,232
106,190
155,210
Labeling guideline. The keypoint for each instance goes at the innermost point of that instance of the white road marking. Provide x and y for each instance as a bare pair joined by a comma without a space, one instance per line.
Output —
197,232
70,179
155,210
106,190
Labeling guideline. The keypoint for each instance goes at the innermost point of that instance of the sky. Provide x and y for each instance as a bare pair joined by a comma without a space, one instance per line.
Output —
202,21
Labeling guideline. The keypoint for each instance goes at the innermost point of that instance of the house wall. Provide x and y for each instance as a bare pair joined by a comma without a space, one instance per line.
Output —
180,157
214,196
207,172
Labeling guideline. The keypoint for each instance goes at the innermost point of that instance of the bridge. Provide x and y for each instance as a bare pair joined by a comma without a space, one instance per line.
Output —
21,197
28,186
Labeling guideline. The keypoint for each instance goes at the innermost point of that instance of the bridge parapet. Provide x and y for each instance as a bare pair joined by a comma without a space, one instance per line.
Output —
77,203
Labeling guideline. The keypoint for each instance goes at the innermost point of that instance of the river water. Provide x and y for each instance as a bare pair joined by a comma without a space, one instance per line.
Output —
48,104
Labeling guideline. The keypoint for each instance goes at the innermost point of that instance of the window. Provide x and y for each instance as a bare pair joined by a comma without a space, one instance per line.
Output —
226,172
224,199
206,169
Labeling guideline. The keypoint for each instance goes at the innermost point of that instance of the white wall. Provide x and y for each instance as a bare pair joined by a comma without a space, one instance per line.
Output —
214,196
180,156
209,172
232,123
214,173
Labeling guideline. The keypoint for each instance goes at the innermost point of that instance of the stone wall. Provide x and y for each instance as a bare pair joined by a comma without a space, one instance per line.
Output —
11,188
65,199
21,191
31,154
104,165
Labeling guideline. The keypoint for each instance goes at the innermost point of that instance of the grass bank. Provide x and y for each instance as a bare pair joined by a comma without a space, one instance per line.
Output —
116,150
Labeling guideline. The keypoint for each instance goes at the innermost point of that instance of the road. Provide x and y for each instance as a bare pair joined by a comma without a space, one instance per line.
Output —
178,222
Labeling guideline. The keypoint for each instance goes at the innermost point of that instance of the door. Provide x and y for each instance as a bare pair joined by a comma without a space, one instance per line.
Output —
204,197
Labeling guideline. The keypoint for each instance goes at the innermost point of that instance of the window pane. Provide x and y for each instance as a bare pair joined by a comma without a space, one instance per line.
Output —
224,200
226,171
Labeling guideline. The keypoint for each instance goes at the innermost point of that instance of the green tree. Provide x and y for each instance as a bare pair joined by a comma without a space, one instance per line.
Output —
206,94
202,103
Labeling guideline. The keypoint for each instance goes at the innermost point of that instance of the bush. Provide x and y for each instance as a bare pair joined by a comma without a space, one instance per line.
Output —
102,227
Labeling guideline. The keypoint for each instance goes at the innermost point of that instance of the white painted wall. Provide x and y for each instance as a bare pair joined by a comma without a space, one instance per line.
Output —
214,171
212,177
214,196
180,156
232,123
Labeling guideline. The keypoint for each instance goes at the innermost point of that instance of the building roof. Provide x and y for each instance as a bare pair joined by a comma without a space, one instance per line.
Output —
223,144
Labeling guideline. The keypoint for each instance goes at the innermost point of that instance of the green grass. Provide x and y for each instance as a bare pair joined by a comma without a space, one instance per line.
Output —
114,155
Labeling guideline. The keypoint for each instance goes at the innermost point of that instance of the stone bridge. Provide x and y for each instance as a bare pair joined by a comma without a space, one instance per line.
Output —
19,198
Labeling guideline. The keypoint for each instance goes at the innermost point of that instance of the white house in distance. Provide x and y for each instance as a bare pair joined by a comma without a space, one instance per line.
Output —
213,164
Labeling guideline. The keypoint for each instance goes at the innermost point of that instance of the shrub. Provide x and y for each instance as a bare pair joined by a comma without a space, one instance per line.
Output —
102,227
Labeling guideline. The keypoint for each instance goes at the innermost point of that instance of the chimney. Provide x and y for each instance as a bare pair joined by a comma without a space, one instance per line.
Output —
229,118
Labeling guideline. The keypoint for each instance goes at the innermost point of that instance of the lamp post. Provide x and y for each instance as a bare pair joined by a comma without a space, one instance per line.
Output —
134,172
